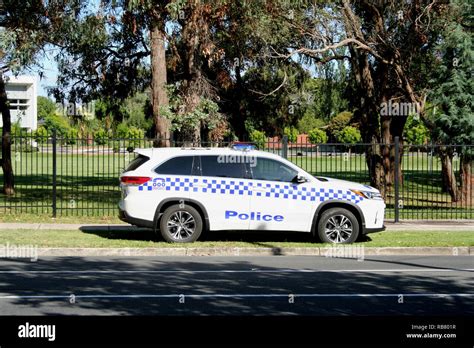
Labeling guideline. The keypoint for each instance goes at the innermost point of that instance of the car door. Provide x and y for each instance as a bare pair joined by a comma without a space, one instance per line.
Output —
223,188
278,202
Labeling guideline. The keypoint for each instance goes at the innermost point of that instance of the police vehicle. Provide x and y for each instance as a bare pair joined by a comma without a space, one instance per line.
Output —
185,191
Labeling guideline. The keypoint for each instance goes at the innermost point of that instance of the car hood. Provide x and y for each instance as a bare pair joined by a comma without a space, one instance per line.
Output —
346,184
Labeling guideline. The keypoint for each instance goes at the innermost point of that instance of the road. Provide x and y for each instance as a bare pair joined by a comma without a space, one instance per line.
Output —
271,285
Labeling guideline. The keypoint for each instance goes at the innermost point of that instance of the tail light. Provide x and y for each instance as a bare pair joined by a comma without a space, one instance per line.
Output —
134,180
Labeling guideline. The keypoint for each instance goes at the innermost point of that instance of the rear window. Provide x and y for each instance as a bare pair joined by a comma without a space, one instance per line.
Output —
137,162
182,165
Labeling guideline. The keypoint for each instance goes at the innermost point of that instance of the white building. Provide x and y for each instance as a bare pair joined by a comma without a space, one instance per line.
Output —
21,92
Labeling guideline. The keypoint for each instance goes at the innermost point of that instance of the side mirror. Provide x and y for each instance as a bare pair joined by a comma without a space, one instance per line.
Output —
299,179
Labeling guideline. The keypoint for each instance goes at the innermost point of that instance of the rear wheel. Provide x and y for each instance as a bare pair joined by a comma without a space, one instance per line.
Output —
181,224
338,226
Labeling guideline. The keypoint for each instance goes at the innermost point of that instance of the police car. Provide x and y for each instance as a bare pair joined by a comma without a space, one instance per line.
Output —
185,191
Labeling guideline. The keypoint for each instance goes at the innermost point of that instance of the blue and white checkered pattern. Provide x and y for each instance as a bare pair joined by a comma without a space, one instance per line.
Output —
248,188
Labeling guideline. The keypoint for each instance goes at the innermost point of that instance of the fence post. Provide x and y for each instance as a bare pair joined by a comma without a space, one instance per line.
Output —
54,203
397,179
284,148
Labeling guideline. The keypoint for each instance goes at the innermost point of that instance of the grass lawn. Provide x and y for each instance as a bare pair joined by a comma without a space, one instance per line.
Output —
141,239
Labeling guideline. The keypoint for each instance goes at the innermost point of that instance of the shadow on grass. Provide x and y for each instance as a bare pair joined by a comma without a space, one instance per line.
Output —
264,239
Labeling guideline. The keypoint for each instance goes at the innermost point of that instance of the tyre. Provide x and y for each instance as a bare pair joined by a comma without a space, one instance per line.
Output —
339,226
180,224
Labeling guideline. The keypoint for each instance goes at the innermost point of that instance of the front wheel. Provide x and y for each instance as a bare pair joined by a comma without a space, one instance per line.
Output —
181,224
339,226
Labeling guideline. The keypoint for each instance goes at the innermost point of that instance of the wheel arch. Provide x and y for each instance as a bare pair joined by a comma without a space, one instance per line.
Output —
333,203
166,203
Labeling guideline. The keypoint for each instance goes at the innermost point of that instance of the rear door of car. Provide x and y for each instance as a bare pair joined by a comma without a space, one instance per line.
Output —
224,190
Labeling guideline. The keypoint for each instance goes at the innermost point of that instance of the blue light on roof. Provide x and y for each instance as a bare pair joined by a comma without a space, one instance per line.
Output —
243,146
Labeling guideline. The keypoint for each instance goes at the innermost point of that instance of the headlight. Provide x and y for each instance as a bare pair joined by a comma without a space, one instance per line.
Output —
368,194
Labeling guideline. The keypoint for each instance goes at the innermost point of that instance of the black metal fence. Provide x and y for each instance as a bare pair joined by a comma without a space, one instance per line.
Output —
62,176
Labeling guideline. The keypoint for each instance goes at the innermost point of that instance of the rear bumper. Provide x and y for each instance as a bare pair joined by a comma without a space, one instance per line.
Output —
373,230
134,221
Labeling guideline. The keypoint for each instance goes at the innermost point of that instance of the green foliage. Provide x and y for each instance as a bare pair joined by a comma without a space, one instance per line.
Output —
291,133
309,122
70,137
317,136
57,122
348,135
453,83
206,113
416,132
258,138
41,135
122,131
340,121
17,130
101,137
46,107
136,136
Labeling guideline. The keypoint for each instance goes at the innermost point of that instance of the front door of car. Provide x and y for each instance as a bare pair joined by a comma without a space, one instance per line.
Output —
278,202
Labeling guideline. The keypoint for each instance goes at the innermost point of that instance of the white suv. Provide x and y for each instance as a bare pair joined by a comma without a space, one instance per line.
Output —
184,191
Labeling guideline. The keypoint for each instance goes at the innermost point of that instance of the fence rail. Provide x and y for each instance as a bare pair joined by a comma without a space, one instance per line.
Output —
59,176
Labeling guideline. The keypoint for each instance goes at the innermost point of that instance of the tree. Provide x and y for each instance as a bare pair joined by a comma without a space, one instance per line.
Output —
349,135
386,45
453,121
415,132
317,136
114,53
26,29
339,122
45,106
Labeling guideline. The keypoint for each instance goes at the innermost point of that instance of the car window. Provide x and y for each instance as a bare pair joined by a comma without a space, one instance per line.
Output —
176,166
136,162
220,167
269,169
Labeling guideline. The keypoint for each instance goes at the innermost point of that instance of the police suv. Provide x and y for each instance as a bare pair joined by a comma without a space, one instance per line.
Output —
185,191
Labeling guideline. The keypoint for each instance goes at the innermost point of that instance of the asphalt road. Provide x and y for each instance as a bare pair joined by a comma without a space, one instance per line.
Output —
272,285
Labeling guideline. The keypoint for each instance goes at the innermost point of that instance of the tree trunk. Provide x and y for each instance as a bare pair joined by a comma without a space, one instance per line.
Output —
375,166
8,178
448,177
465,191
159,96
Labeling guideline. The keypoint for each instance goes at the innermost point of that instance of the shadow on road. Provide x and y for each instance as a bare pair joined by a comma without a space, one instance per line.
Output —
268,280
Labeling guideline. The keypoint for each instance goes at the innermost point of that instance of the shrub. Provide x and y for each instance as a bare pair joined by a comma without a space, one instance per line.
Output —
58,123
339,121
348,135
135,136
100,137
122,131
41,135
317,136
291,133
70,138
258,138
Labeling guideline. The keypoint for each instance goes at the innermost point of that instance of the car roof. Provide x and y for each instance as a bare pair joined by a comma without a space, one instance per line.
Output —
175,151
